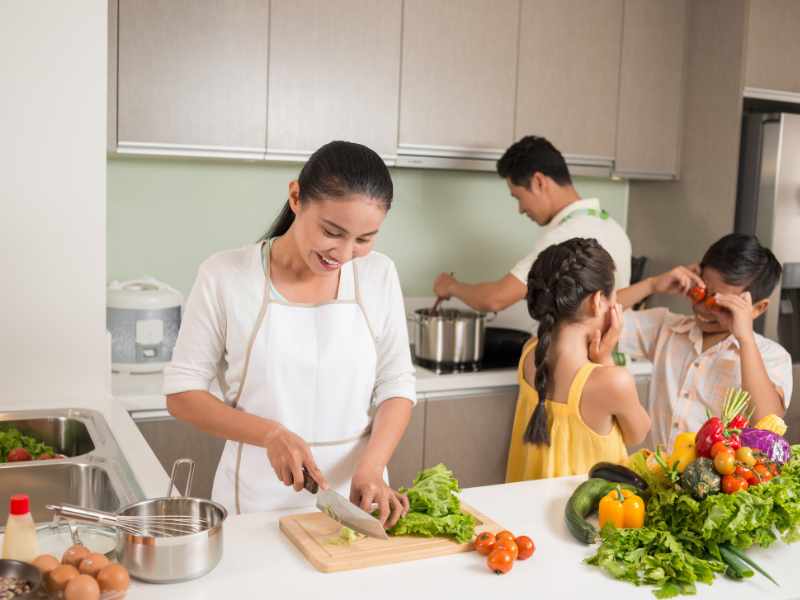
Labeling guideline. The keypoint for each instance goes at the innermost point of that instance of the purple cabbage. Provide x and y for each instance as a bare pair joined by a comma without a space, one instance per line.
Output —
775,447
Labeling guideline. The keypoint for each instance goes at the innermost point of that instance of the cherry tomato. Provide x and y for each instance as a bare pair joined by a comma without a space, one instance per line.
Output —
500,561
711,303
732,484
724,463
745,455
484,543
746,474
697,294
762,472
526,547
504,535
508,545
773,470
720,447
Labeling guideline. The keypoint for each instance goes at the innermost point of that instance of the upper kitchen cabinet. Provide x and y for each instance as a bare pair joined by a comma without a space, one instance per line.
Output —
192,77
569,62
111,127
334,72
458,77
651,89
773,50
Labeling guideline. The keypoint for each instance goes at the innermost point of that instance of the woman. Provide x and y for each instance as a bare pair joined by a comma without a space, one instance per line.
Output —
307,332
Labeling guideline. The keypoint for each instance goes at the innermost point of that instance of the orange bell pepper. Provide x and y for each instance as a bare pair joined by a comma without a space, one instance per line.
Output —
621,508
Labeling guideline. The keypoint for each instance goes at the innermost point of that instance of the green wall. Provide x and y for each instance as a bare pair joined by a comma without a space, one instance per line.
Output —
166,215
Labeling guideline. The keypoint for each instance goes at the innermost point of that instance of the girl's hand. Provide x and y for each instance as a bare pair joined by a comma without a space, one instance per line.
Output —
601,346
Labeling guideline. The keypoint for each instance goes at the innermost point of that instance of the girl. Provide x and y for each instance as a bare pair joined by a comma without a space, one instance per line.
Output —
591,409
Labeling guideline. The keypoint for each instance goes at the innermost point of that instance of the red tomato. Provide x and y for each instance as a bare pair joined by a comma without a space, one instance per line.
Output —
509,545
500,561
711,303
18,454
697,294
746,474
526,547
773,469
504,535
732,484
721,446
484,543
724,463
762,472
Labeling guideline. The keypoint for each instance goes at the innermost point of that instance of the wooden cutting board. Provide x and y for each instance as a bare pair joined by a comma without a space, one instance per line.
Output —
310,531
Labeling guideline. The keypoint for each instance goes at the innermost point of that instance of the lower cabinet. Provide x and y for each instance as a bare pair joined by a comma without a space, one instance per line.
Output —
171,439
470,431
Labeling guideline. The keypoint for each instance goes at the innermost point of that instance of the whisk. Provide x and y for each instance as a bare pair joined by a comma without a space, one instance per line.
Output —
143,526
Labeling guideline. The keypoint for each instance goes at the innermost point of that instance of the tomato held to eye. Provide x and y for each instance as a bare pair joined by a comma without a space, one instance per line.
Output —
697,294
500,561
484,543
711,303
526,547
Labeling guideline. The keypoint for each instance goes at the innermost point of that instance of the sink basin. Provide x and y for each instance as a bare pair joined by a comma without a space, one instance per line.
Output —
67,436
95,473
46,483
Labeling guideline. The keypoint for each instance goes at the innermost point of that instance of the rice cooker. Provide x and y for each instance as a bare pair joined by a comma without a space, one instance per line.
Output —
143,317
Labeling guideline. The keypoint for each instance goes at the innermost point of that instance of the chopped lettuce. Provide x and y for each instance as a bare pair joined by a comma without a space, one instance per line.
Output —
345,537
434,507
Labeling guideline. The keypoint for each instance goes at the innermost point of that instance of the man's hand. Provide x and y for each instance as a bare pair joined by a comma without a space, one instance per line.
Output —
443,285
678,281
601,346
737,315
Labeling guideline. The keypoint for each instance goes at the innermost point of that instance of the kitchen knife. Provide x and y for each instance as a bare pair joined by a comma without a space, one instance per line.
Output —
348,514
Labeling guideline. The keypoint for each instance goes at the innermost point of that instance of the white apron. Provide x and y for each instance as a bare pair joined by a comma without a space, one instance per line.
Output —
318,382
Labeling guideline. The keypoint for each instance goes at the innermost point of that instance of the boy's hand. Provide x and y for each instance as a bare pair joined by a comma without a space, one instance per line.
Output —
678,281
738,314
601,346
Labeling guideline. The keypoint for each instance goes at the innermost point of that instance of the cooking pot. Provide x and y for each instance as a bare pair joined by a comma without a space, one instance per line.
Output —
449,337
163,558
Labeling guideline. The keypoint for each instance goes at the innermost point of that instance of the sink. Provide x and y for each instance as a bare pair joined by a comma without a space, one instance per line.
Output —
58,482
95,473
67,436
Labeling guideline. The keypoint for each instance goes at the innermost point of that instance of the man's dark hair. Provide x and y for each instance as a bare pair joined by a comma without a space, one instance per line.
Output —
743,261
530,155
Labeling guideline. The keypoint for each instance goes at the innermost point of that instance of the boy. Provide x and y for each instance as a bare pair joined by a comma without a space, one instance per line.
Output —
697,358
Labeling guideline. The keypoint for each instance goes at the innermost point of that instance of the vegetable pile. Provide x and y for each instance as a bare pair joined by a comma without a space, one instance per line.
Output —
434,507
720,492
14,446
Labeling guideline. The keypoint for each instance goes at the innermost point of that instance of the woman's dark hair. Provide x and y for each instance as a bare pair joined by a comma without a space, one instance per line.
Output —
335,170
558,282
529,155
742,260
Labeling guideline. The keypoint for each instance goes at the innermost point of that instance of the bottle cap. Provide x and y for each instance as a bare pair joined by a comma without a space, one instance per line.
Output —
19,504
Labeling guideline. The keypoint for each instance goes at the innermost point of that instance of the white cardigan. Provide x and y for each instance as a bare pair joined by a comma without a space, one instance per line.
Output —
220,314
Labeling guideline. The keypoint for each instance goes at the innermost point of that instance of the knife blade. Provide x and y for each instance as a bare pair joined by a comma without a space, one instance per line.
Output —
348,514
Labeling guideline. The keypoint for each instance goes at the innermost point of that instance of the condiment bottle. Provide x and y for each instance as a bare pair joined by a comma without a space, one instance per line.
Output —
19,541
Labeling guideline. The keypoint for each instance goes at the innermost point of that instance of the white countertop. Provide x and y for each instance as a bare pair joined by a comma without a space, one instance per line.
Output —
259,562
138,392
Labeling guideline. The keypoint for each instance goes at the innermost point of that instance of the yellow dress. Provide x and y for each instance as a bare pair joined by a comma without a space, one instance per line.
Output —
574,446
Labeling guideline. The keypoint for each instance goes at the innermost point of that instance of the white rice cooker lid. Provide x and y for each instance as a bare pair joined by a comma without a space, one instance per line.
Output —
145,293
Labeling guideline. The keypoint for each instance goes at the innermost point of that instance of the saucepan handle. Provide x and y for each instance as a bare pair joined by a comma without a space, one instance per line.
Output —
189,477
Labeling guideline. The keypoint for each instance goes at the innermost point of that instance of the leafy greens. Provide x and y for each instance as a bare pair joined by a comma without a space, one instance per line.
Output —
11,438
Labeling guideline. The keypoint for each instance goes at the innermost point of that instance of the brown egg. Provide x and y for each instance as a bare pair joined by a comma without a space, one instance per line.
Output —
45,563
59,577
83,587
113,578
75,554
92,564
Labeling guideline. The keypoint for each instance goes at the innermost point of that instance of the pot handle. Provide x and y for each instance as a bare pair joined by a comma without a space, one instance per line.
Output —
491,316
189,477
412,318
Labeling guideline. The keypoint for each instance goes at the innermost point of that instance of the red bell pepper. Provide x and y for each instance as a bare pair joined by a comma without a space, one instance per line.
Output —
727,428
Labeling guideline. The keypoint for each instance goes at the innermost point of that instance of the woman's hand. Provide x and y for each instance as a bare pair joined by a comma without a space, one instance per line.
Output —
288,453
368,488
602,346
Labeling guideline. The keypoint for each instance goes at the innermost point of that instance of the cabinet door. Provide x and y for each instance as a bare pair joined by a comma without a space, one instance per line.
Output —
459,73
470,433
569,59
111,131
773,47
193,76
334,73
171,439
407,459
651,88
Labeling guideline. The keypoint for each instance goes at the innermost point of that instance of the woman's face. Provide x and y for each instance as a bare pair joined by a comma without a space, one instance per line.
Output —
332,231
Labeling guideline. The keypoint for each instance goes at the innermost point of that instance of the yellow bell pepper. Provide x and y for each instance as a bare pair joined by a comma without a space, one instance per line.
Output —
621,508
683,452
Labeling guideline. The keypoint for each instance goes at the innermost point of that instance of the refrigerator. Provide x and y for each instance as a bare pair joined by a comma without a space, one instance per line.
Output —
768,205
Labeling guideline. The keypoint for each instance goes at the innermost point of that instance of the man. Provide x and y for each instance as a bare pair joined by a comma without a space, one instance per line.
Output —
538,177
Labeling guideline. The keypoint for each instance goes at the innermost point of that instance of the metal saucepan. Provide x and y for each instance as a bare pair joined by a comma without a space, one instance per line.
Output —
449,336
165,558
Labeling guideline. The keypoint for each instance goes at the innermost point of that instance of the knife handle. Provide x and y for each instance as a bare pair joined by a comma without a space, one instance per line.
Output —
308,482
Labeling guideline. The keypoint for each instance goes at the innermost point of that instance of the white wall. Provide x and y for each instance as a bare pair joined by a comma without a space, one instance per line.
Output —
53,348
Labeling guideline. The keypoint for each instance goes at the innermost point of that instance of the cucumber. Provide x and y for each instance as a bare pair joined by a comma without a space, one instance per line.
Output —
583,502
619,474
